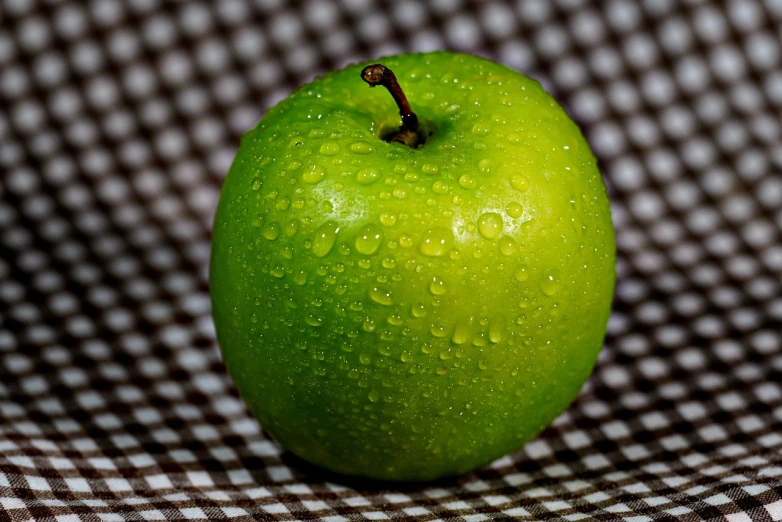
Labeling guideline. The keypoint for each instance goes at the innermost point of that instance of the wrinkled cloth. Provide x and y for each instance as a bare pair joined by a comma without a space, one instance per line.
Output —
118,122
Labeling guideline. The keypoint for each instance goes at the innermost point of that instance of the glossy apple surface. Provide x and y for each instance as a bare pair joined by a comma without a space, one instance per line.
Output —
403,313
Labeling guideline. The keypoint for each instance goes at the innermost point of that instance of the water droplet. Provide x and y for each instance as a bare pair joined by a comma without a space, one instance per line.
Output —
361,147
384,350
329,148
313,320
436,242
507,246
406,357
399,193
405,241
314,174
550,282
490,225
437,286
374,396
418,310
368,325
428,168
521,273
519,182
324,239
271,231
438,330
480,129
388,262
369,239
514,209
440,187
300,278
461,334
367,176
387,219
442,370
395,319
497,330
466,181
364,359
380,296
257,184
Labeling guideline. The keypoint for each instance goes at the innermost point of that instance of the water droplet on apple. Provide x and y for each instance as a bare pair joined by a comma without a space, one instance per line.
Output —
437,286
507,246
314,174
496,330
257,184
405,241
428,168
367,176
361,147
521,273
387,219
368,325
519,182
436,242
374,396
514,209
418,310
461,333
300,278
480,129
440,187
467,182
438,330
369,239
313,320
380,296
329,148
550,282
271,231
324,239
490,225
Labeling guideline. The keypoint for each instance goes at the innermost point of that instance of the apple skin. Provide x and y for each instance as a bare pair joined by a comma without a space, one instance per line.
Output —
408,314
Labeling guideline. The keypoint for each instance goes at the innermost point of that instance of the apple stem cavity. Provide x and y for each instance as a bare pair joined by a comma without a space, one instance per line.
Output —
409,133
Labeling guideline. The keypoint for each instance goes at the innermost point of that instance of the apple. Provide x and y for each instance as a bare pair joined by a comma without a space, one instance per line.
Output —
411,302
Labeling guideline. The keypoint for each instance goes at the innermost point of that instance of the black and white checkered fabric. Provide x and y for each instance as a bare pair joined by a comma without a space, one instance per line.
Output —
118,121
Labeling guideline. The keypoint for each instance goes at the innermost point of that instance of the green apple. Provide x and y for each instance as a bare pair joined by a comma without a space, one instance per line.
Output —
409,309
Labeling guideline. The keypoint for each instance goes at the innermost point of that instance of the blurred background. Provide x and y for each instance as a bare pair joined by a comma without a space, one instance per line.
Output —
118,122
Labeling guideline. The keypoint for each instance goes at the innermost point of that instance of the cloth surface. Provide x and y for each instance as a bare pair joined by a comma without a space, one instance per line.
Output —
118,122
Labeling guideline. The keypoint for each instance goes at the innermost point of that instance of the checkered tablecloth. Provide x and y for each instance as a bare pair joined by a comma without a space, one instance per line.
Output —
118,121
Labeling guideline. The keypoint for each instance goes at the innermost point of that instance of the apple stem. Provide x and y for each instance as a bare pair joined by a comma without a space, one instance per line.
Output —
408,134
